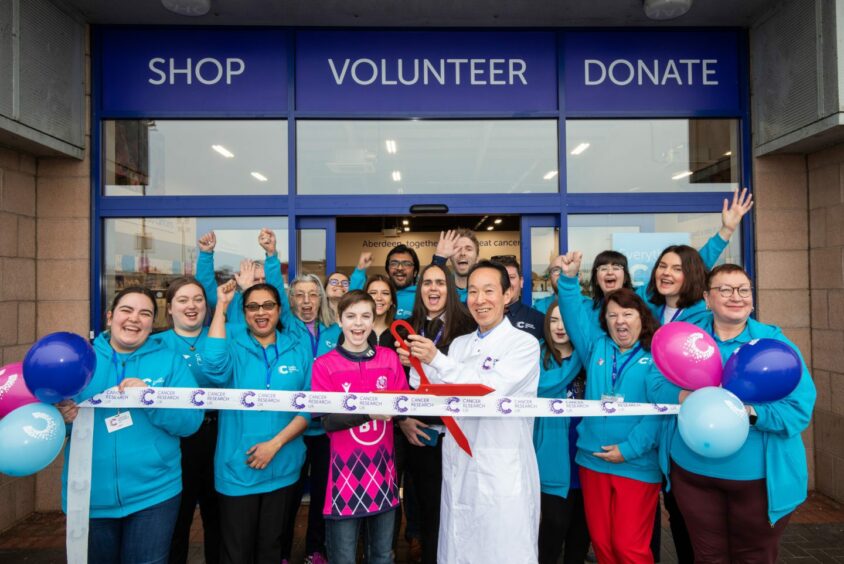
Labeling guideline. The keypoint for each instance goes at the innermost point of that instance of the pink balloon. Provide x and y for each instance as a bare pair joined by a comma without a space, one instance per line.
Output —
13,390
687,355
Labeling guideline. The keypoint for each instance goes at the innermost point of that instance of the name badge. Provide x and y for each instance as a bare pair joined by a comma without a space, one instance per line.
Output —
118,422
612,398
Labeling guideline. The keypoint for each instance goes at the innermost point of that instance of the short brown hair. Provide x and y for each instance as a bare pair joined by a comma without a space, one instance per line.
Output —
694,277
469,234
629,299
351,298
727,268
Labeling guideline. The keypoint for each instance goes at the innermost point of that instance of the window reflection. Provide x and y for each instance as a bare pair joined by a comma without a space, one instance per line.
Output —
152,251
196,158
642,237
652,155
427,157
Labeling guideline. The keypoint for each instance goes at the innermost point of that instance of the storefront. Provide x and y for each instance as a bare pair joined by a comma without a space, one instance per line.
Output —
343,141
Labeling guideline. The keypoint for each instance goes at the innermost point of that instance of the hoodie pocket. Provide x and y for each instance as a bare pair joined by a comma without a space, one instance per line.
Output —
238,468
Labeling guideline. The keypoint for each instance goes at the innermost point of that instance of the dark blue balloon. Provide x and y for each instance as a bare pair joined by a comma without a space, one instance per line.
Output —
59,366
763,370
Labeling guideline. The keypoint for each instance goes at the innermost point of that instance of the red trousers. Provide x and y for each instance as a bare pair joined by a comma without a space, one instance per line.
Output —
620,515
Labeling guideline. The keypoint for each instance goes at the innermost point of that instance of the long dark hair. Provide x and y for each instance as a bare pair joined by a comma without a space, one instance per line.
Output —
391,313
177,284
694,276
607,257
135,290
267,288
457,321
629,299
550,350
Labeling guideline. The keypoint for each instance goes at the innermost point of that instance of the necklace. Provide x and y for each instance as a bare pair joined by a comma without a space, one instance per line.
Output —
191,346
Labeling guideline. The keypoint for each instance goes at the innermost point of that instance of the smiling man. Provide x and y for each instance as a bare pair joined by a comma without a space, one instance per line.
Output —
490,501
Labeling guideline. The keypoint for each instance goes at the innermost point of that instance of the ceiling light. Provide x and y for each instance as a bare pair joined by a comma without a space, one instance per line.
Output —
666,9
550,174
187,7
497,221
407,228
580,148
728,153
391,146
490,228
396,176
684,174
223,151
405,222
259,177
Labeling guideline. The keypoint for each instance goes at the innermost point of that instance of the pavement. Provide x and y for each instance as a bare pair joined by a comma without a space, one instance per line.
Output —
815,535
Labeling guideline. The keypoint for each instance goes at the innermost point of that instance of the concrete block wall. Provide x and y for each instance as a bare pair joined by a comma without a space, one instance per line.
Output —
826,267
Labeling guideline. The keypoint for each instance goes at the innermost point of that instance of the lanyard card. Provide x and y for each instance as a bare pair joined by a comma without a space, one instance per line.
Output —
118,422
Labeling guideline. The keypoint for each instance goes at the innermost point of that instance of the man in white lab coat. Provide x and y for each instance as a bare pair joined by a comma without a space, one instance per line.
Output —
490,502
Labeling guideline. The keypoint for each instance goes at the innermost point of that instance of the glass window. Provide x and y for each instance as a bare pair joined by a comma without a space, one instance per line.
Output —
642,237
544,246
195,158
427,157
312,253
668,155
152,251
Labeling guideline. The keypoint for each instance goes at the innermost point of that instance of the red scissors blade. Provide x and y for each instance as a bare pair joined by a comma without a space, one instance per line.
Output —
449,422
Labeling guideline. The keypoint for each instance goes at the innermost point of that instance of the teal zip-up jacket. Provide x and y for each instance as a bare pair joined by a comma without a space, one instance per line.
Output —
697,311
138,466
239,362
205,275
182,347
404,297
774,444
637,437
551,434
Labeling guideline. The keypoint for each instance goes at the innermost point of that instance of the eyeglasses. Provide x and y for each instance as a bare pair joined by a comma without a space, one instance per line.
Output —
605,268
255,306
400,263
300,296
336,282
727,291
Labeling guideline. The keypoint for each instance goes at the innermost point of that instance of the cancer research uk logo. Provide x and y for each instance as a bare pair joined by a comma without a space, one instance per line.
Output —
296,402
347,402
555,406
398,404
660,408
146,396
244,399
452,404
503,406
489,363
95,400
194,398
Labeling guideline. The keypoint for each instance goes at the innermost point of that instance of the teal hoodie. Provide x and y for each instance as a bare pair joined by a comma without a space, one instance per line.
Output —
697,311
205,275
774,449
138,466
551,434
239,362
636,436
182,346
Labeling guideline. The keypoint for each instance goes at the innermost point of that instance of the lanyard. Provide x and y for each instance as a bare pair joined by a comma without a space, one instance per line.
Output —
438,336
616,374
121,374
673,317
267,362
314,339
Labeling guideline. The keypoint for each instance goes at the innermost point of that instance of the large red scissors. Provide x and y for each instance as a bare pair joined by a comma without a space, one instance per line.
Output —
425,386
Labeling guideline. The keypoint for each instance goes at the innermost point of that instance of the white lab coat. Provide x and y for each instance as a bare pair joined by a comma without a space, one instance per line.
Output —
490,502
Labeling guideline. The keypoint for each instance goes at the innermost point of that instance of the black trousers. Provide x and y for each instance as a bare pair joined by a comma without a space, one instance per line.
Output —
425,465
198,488
314,471
679,532
252,526
563,520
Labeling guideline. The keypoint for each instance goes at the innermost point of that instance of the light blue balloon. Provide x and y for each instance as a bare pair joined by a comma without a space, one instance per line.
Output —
713,422
30,439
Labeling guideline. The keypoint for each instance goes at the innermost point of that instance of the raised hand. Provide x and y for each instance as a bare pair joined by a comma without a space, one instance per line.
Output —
267,240
732,212
225,294
207,242
246,277
570,263
365,260
445,246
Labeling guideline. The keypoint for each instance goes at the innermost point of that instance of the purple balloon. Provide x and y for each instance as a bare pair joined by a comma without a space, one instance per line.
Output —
687,355
763,370
59,366
13,390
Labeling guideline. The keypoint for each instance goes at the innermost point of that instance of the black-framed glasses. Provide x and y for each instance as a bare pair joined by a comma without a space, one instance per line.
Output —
337,282
255,306
402,263
726,291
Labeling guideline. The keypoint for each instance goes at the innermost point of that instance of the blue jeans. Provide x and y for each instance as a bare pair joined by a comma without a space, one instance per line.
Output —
142,537
341,538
